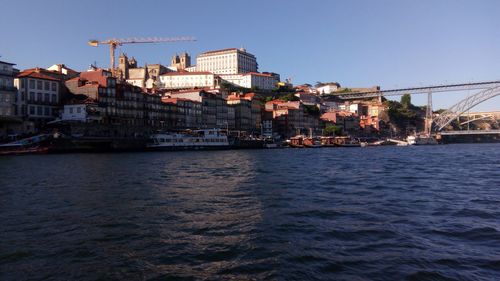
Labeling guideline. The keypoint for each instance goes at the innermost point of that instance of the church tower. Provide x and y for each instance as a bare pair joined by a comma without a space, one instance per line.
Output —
132,63
175,61
123,66
185,60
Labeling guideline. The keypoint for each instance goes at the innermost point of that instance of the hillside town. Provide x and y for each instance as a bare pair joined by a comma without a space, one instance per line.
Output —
220,89
223,89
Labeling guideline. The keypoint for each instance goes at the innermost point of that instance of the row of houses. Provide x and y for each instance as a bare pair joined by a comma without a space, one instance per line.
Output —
181,96
95,96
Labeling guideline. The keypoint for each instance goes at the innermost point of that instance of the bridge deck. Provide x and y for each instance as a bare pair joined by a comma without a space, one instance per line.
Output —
419,90
471,132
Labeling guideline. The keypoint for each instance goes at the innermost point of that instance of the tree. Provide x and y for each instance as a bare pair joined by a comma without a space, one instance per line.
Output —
290,97
269,98
311,110
406,101
332,130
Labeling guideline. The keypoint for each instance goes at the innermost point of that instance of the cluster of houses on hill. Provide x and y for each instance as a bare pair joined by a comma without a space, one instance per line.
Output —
224,89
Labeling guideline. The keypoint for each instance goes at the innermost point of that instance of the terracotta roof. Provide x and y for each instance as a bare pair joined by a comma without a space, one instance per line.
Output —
33,74
276,101
90,85
332,115
74,79
235,97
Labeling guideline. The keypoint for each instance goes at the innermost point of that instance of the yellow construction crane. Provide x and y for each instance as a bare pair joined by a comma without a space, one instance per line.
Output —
113,43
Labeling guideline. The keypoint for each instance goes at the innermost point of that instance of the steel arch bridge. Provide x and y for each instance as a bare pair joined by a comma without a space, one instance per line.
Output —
464,105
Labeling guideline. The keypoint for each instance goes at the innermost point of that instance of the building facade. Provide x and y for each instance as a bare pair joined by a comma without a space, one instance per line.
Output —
7,90
252,80
81,111
214,112
227,61
188,114
8,118
38,96
188,80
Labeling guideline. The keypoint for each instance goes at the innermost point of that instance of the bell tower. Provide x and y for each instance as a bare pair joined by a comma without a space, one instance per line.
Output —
185,60
123,66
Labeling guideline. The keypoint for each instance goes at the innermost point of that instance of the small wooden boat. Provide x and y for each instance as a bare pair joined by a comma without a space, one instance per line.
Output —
297,142
312,143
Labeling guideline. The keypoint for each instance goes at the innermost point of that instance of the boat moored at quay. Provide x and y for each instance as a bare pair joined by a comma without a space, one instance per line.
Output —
189,140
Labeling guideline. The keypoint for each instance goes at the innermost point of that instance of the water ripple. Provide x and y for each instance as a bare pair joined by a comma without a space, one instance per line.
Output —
387,213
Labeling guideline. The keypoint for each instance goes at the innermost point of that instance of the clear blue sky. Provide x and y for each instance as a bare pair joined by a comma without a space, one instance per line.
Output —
396,43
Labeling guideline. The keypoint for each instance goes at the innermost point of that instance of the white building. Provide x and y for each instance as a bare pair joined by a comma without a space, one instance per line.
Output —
38,95
227,61
186,80
80,112
63,69
351,107
328,88
189,69
262,81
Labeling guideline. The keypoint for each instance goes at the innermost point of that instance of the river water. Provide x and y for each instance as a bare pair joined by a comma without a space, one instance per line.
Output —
381,213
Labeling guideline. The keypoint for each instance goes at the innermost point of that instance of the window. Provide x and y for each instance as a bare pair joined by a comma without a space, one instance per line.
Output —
54,98
46,98
32,96
39,110
54,86
32,84
71,110
47,111
79,110
23,95
32,110
38,96
46,86
39,85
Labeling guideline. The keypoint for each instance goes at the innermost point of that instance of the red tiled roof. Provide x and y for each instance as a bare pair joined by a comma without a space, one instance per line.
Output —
332,115
278,101
33,74
74,78
90,85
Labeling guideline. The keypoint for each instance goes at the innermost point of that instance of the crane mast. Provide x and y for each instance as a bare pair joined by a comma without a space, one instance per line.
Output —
113,43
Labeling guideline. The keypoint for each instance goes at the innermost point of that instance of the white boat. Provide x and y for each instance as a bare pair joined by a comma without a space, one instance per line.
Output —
421,140
189,140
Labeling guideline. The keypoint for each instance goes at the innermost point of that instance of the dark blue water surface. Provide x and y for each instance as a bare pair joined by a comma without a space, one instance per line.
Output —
381,213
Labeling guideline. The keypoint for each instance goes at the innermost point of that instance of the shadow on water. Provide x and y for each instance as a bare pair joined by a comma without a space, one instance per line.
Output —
374,213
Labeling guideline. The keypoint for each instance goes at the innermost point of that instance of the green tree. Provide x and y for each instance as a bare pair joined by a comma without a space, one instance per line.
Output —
290,97
312,110
406,101
332,130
